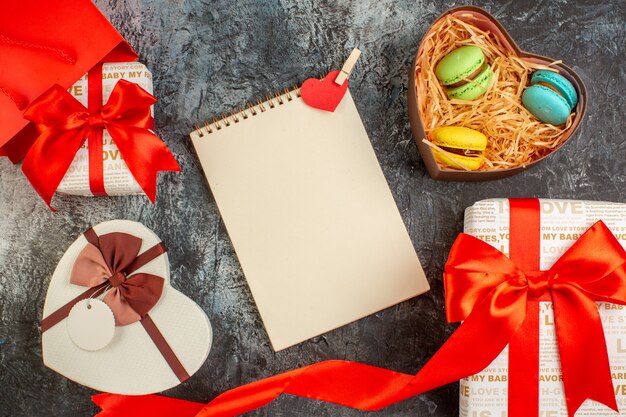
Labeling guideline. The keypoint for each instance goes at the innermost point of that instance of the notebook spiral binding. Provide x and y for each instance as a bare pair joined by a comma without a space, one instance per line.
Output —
249,110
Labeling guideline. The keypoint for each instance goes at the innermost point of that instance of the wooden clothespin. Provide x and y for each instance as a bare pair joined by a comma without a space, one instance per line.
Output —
347,66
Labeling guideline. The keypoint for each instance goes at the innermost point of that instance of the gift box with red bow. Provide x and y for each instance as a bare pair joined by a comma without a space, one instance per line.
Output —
563,222
117,178
96,139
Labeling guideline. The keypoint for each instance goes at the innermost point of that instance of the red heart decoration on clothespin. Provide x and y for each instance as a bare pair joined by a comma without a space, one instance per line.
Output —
324,94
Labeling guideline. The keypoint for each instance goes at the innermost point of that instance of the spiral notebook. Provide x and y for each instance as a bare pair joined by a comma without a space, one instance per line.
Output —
310,215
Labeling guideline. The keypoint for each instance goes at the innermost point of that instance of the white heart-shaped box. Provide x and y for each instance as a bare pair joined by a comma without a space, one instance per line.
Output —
131,363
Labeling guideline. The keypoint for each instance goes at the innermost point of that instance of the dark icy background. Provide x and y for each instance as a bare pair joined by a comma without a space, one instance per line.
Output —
208,57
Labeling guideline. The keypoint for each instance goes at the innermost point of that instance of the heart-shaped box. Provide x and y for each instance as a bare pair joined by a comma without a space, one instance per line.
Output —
485,21
138,359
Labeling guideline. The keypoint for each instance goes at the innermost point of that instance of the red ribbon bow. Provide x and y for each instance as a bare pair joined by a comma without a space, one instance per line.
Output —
486,287
498,302
64,125
131,295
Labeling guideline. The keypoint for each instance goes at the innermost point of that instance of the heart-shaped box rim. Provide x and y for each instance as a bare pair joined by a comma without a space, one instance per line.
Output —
142,358
489,22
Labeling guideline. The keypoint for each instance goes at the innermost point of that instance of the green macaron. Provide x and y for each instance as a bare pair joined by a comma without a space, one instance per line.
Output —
465,73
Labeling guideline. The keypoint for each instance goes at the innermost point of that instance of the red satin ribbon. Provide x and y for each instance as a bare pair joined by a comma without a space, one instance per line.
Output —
64,125
96,162
494,297
525,251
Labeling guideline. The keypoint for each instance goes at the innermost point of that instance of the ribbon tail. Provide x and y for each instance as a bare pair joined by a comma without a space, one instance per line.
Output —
113,405
251,396
582,349
48,160
475,344
62,132
350,384
145,155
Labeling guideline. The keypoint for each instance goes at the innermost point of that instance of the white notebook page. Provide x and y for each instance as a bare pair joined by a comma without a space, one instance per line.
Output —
311,217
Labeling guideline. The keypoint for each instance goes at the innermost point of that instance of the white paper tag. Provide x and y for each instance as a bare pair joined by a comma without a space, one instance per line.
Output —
91,324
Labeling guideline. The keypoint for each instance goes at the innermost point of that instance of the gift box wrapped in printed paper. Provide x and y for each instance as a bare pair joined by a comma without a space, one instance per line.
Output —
117,178
97,139
486,394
